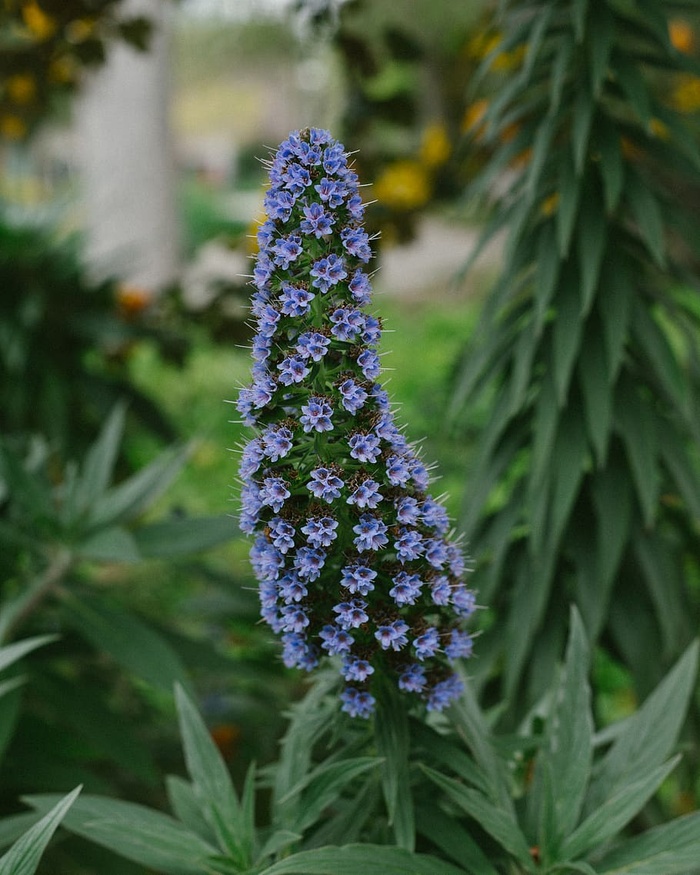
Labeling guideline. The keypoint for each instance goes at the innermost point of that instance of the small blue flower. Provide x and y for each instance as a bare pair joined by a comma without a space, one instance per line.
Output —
406,589
292,370
316,415
357,703
317,221
367,494
325,484
371,533
321,532
357,578
427,644
295,300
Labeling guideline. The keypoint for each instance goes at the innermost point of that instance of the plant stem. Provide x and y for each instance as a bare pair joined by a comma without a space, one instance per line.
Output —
16,613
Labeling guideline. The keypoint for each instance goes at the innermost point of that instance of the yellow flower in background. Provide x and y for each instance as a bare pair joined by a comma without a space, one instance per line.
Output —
62,70
630,150
473,120
681,35
12,127
435,147
550,204
80,29
21,88
41,25
403,185
482,44
658,129
503,62
686,95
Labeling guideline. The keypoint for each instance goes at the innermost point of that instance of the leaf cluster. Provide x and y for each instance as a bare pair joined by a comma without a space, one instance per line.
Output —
586,485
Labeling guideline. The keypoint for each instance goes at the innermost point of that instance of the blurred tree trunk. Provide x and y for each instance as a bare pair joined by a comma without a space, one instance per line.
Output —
126,158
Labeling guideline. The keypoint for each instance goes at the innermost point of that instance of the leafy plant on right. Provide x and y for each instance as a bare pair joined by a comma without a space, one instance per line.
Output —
585,487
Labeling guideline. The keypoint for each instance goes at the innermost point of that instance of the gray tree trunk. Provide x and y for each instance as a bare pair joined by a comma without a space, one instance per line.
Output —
127,162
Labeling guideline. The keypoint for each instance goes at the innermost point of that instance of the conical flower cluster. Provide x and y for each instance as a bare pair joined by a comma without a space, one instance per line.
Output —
353,556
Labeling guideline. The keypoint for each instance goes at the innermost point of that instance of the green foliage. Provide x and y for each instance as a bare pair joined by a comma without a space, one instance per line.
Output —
578,792
64,343
586,488
57,529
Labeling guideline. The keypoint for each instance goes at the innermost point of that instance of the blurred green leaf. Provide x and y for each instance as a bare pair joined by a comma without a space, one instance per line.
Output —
647,214
393,746
672,848
175,537
367,858
133,831
129,641
615,813
213,787
100,459
114,544
24,856
127,500
11,653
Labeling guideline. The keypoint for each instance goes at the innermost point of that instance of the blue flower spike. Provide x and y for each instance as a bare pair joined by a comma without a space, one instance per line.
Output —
354,558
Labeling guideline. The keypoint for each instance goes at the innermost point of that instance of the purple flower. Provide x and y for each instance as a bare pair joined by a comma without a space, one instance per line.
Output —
357,703
357,578
335,640
325,484
316,415
274,493
287,250
392,636
292,370
360,288
353,396
427,644
317,221
312,345
366,495
355,669
406,588
308,563
440,696
412,678
296,301
368,360
371,533
277,442
356,242
327,272
364,447
321,532
351,614
409,545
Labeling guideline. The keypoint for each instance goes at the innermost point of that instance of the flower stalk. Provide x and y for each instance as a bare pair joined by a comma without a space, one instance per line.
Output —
354,557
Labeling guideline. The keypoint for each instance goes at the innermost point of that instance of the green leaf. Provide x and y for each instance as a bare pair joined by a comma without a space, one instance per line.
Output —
128,640
100,459
676,459
186,808
658,358
631,80
566,340
600,43
597,392
561,68
580,13
321,788
664,581
541,149
546,275
393,746
614,304
498,823
469,722
135,832
114,544
175,537
638,428
14,827
366,858
591,240
24,856
130,498
569,462
212,784
11,653
570,185
646,212
582,119
611,166
615,813
453,840
672,848
648,736
567,750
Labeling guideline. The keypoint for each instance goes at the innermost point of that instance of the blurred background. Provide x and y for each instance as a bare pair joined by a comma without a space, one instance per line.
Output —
131,133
